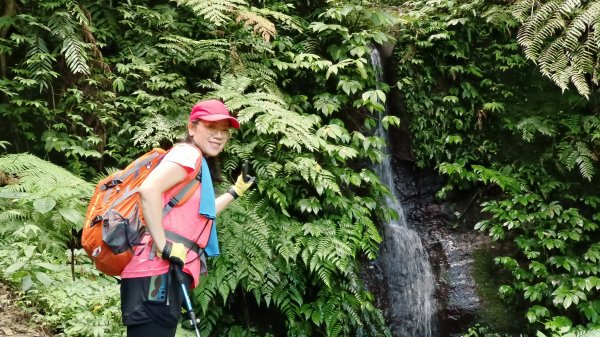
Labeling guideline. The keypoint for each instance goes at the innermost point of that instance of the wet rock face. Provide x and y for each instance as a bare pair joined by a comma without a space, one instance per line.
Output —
451,244
450,249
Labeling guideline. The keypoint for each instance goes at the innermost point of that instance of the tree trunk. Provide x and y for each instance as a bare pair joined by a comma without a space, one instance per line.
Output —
10,9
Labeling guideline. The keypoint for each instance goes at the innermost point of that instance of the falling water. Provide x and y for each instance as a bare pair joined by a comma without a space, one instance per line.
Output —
405,261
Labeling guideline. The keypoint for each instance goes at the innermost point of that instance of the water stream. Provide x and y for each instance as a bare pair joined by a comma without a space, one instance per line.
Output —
404,260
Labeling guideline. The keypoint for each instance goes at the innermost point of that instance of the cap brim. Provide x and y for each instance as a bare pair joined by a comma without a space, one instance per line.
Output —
214,118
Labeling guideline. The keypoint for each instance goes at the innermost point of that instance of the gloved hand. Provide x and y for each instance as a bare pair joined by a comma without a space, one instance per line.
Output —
174,252
243,182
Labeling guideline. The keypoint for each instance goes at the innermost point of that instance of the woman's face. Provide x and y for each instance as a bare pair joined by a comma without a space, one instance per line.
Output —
210,137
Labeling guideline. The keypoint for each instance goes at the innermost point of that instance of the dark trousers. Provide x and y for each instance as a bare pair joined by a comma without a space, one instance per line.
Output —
151,306
150,329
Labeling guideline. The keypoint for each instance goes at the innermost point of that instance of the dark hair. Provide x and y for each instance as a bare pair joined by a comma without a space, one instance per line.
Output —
213,162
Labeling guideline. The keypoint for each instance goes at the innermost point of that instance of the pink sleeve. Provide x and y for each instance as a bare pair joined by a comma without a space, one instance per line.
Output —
185,155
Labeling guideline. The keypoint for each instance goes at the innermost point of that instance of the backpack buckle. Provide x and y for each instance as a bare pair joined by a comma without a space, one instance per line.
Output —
173,202
111,184
95,220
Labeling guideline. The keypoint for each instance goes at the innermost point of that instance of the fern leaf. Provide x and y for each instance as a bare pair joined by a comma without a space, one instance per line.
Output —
528,32
286,20
569,6
76,56
259,24
37,175
591,333
73,47
584,160
581,22
531,125
217,12
39,62
522,9
193,51
561,36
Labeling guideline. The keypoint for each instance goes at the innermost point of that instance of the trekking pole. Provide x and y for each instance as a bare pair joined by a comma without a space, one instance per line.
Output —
186,298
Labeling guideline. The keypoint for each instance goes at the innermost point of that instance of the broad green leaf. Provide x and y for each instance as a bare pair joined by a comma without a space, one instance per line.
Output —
43,278
14,267
26,283
44,205
71,215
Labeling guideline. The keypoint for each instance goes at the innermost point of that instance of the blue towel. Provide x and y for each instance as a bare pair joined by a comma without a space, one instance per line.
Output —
209,210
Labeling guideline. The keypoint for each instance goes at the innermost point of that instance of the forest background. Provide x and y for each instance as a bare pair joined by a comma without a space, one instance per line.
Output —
499,97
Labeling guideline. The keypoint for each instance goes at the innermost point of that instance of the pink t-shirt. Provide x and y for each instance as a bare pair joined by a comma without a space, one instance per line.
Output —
183,220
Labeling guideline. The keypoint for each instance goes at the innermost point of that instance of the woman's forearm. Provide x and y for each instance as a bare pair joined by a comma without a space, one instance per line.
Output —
223,201
151,201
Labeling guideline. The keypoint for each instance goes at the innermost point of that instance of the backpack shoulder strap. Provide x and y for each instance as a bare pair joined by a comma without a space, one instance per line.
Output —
185,191
183,195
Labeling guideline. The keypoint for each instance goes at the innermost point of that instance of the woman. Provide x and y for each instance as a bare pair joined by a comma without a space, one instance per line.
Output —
150,296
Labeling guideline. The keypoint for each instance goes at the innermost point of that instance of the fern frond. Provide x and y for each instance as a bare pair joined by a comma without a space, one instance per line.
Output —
269,114
309,46
573,124
583,58
259,24
578,155
529,31
73,48
580,23
531,125
287,20
523,9
591,124
568,7
193,51
534,43
218,12
39,176
578,79
10,219
591,333
39,62
156,129
256,71
562,37
76,56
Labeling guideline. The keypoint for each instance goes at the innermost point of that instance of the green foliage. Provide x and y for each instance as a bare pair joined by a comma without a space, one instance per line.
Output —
301,231
216,12
87,306
562,37
90,85
454,92
555,268
122,79
481,331
39,208
44,196
488,123
591,333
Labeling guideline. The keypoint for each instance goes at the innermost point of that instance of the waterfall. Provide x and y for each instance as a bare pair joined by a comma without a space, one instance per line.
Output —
404,260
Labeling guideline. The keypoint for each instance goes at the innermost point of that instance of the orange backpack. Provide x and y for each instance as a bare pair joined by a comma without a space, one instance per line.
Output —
114,223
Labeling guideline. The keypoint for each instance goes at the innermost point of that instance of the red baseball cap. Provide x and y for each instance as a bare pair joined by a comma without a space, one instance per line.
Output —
213,110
